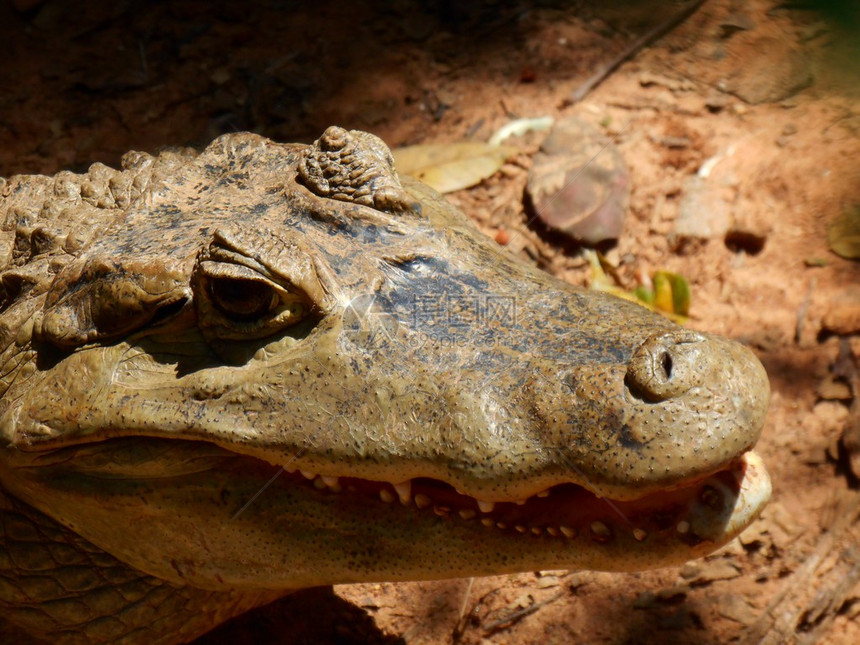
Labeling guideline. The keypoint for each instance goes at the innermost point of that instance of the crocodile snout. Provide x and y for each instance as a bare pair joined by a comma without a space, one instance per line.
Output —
666,365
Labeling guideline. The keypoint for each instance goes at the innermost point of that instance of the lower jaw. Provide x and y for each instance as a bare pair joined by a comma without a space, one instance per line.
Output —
312,531
656,530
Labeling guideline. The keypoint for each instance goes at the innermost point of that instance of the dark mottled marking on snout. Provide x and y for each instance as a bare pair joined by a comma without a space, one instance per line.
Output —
627,438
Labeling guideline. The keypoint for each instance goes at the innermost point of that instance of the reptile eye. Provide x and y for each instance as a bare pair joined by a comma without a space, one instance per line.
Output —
242,299
235,302
242,296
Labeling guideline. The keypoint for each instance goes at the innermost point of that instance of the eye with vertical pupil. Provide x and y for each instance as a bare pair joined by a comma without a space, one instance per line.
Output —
242,299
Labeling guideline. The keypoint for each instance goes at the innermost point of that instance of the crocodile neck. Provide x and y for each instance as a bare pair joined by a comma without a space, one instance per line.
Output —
59,586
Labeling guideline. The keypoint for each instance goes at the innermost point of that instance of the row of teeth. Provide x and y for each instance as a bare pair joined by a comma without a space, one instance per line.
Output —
403,492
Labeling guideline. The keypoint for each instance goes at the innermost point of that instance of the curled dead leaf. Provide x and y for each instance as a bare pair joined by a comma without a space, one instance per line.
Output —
843,236
451,166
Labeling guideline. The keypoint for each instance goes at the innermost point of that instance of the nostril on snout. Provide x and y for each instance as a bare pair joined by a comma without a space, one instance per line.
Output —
664,365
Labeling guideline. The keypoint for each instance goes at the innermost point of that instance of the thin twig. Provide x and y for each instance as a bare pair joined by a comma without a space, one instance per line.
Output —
779,620
643,41
460,628
520,613
830,598
804,306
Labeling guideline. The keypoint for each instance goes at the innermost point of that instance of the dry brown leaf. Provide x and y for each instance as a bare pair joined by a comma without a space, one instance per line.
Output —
451,166
831,388
844,233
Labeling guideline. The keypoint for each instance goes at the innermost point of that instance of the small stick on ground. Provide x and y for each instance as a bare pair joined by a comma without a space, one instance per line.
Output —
460,627
779,621
825,606
463,622
643,41
507,621
804,307
847,367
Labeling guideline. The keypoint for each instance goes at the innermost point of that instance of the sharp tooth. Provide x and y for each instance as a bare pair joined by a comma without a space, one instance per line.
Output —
290,469
404,491
543,493
639,534
552,530
501,525
520,528
422,501
308,474
567,532
486,507
486,521
331,482
386,495
536,530
600,531
520,502
683,527
467,513
442,511
319,484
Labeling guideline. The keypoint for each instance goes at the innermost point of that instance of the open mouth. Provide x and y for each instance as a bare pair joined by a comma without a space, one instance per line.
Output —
704,510
695,517
206,515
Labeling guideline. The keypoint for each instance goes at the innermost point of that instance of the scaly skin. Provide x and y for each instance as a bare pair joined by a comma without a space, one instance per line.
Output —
270,366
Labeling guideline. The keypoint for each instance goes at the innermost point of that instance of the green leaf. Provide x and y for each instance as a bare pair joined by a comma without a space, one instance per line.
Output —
671,292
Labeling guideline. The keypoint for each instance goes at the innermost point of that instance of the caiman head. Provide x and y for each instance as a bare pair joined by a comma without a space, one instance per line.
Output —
283,367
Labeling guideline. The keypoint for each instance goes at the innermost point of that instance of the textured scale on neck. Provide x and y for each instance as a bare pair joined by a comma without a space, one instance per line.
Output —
57,585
